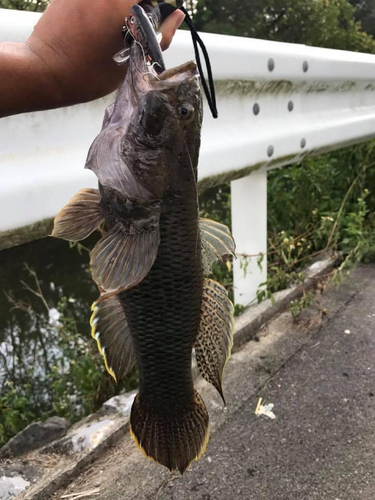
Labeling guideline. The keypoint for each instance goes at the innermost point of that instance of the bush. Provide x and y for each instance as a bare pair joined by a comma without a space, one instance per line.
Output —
323,204
60,371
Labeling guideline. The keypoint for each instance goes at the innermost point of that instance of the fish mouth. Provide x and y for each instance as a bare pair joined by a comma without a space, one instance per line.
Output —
145,78
186,71
142,27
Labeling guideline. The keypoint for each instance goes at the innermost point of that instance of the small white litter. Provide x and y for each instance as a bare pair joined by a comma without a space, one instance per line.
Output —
347,332
82,494
265,410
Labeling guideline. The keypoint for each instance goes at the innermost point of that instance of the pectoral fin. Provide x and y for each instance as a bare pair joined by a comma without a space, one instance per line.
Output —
124,257
110,330
215,338
217,242
80,217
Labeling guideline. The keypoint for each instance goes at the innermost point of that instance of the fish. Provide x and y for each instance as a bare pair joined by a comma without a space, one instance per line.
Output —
152,266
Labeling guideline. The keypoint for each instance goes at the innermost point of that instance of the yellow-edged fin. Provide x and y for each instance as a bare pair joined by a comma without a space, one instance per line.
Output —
80,217
215,337
204,445
217,242
125,255
152,459
110,330
174,438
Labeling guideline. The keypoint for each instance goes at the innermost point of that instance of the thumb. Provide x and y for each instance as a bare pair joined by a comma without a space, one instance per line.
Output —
169,28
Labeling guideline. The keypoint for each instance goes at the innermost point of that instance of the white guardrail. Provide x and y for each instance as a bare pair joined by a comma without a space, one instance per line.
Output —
277,102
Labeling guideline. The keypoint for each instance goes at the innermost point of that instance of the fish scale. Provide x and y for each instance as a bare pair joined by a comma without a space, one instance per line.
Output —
163,311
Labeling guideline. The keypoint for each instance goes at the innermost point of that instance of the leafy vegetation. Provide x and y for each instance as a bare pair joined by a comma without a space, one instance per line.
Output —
325,204
365,14
323,23
31,5
297,306
67,379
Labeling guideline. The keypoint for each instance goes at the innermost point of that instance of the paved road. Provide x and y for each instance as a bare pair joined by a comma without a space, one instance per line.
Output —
321,379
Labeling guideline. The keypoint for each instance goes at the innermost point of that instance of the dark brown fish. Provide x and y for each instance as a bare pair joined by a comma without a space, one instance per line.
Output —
155,303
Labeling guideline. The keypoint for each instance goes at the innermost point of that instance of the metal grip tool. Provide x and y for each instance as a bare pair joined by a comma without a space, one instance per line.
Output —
148,15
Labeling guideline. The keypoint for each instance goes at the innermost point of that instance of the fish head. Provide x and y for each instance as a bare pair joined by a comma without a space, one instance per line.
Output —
166,119
170,102
155,121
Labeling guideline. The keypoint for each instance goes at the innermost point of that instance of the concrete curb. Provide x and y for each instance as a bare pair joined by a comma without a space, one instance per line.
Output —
65,474
254,317
117,412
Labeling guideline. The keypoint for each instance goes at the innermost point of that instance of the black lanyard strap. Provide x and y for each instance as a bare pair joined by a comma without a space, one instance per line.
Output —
210,92
167,7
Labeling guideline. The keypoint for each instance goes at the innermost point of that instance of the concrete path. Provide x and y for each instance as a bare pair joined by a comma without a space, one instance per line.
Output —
319,373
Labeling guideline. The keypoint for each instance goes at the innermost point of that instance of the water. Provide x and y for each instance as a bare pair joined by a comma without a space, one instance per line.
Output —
61,271
31,348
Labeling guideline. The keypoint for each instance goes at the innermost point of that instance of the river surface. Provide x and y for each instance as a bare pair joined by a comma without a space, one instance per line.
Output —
34,278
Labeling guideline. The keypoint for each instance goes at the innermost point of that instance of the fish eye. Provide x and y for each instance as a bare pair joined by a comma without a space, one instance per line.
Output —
186,111
132,20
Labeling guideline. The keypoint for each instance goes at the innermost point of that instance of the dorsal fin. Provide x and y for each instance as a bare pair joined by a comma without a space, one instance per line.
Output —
111,331
215,338
80,217
217,242
125,255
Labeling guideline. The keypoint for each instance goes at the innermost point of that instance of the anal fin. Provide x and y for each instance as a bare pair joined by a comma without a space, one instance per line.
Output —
215,338
217,242
111,331
80,217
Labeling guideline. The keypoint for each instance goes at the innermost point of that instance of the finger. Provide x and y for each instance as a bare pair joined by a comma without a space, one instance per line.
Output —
169,28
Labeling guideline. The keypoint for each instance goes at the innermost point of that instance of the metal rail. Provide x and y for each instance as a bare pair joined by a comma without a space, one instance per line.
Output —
277,102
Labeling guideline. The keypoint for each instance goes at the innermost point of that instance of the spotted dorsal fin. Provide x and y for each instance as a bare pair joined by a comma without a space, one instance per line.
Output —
111,331
80,217
217,242
215,338
125,255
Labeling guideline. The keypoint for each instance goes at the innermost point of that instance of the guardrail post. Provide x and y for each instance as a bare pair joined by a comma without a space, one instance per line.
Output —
249,227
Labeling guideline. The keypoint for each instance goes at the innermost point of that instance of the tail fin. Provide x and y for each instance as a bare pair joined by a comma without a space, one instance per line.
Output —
171,438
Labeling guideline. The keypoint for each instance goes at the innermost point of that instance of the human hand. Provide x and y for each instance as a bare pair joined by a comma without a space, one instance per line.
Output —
74,41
